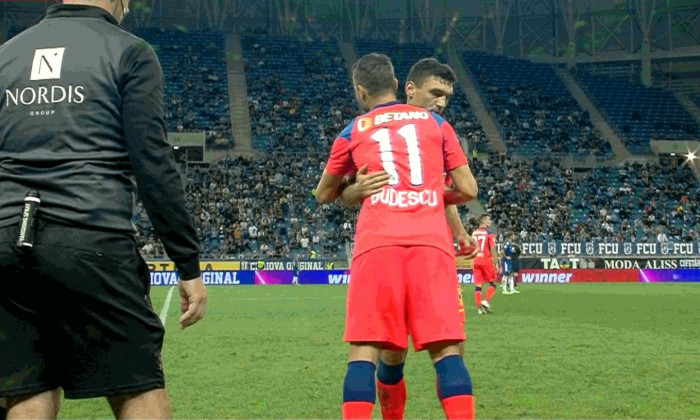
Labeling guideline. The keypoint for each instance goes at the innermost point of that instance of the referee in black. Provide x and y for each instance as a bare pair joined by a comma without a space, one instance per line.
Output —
81,127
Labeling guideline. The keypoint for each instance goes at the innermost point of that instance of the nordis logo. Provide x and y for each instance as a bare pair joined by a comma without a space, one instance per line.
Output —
46,65
45,95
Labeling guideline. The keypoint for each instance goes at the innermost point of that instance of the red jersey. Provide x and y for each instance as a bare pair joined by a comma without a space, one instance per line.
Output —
415,147
485,239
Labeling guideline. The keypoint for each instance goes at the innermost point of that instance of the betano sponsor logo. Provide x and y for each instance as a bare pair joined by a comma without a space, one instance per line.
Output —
400,116
363,124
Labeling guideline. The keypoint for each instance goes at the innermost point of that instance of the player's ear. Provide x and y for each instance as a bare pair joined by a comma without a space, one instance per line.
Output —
410,89
396,84
363,93
358,91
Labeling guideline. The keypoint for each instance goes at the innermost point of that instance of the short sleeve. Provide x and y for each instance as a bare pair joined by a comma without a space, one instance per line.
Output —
340,162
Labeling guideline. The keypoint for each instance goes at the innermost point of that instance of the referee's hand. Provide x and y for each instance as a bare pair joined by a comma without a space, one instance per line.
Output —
193,301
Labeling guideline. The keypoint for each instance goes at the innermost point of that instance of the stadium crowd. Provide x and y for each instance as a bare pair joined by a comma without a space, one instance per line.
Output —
633,202
559,125
250,207
297,90
196,90
300,98
535,111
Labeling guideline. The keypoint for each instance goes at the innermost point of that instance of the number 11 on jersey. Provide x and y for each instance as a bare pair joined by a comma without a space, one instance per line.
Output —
408,133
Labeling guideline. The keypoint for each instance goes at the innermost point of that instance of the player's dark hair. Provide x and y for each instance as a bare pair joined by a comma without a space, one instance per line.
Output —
426,68
483,217
375,73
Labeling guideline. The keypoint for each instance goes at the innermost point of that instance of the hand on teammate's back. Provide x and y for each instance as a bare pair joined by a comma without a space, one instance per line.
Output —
370,184
193,301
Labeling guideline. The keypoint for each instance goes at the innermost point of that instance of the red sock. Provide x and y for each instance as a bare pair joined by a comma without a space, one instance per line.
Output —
392,399
489,293
357,410
459,407
477,297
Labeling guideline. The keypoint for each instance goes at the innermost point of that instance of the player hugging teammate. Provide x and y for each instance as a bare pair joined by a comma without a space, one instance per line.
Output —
404,274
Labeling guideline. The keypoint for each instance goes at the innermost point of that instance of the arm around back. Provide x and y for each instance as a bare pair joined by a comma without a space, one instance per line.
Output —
465,186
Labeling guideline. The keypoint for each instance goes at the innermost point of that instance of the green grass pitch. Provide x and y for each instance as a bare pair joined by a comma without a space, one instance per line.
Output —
554,351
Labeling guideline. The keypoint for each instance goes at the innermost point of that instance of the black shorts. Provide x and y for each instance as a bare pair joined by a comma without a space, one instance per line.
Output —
75,313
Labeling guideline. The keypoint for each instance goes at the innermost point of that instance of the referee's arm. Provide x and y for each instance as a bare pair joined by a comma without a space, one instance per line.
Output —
160,186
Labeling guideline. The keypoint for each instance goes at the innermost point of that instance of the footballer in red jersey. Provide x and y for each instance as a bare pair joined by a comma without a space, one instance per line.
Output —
486,263
403,268
429,85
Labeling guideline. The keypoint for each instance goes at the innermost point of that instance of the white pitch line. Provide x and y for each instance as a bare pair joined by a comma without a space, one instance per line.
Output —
166,305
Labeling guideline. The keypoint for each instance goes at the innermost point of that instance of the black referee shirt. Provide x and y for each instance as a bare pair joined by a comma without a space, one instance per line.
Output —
81,121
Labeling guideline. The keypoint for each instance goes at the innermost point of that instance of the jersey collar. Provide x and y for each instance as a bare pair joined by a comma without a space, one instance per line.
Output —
386,104
79,10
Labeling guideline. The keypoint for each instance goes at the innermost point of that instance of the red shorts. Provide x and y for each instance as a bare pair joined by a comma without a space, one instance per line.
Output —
397,289
484,274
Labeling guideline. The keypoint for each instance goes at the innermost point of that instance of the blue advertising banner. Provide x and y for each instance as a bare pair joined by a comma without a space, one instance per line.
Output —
682,275
270,277
260,277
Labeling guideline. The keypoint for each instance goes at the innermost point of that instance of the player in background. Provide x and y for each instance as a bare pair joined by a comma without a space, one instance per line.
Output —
507,263
515,258
404,272
429,85
295,272
486,263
